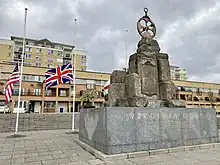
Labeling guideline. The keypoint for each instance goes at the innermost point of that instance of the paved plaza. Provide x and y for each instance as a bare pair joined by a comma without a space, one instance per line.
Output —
59,148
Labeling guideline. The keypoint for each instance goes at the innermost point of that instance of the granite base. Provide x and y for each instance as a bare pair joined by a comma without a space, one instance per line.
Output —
115,130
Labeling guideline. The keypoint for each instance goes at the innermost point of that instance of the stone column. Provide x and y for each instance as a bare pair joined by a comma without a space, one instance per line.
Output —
11,106
42,107
69,107
57,92
56,106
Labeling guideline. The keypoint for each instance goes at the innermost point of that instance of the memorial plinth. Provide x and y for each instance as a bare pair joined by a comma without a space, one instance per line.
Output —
114,130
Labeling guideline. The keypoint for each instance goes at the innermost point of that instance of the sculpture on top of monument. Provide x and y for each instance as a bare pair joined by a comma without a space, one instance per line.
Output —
147,30
147,82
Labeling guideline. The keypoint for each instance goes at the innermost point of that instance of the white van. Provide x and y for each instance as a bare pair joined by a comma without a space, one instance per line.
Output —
4,109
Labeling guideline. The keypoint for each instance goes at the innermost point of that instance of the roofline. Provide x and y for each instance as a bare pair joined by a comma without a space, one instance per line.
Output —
196,82
11,63
13,37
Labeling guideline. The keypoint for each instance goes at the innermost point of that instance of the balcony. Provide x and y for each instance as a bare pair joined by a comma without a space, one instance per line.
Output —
50,94
63,92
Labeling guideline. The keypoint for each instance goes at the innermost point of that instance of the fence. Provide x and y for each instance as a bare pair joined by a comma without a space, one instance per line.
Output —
35,122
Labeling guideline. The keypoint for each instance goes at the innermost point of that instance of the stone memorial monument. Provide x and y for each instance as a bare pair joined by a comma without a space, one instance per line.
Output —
142,112
147,83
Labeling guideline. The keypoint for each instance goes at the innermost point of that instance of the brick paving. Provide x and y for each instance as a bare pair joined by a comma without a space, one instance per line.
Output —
59,148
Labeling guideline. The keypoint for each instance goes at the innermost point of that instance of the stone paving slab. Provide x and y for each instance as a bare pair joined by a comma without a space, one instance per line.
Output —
59,148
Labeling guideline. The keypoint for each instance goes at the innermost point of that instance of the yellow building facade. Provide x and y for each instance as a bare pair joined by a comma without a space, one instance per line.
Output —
41,53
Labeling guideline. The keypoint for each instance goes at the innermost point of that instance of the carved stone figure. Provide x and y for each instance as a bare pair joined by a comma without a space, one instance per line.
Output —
147,82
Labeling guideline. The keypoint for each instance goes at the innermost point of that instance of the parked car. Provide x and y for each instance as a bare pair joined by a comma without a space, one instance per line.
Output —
4,109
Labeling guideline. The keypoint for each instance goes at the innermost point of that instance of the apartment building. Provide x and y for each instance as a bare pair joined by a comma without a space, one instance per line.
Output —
199,94
41,53
178,73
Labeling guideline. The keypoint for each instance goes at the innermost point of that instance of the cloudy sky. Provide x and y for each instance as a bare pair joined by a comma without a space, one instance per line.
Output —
187,30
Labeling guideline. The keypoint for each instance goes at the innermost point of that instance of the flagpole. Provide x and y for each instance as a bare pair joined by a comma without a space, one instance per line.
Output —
21,70
74,79
126,50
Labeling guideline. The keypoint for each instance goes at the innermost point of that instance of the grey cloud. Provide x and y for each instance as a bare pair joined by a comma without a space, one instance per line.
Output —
198,48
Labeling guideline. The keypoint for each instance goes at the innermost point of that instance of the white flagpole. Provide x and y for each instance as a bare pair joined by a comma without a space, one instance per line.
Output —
74,79
126,50
21,70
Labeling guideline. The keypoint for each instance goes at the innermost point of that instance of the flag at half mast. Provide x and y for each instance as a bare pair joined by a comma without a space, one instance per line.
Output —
14,78
106,87
60,75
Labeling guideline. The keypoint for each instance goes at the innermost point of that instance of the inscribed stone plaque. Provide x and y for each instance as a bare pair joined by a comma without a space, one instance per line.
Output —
99,135
147,125
170,127
149,76
191,132
120,126
208,122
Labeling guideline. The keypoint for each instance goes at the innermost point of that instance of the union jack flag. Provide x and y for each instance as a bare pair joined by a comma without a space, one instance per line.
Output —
60,75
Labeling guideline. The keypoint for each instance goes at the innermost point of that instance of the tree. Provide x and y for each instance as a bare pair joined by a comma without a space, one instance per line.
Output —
212,99
88,97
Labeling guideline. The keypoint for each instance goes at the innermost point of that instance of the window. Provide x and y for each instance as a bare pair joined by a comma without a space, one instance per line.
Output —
63,92
49,104
83,63
67,55
83,58
18,49
23,91
50,51
98,82
49,65
15,91
83,68
38,64
59,53
5,75
37,92
80,81
2,103
60,60
10,47
27,63
28,49
24,78
42,78
38,50
90,84
16,104
50,92
66,62
50,59
27,56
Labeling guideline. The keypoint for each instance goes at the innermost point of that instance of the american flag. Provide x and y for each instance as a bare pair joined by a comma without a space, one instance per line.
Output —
14,78
60,75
